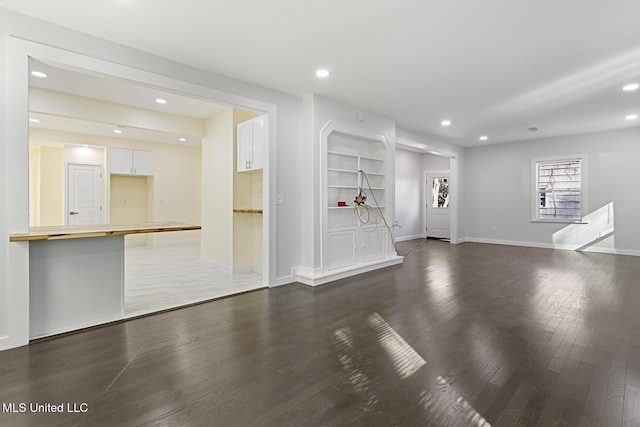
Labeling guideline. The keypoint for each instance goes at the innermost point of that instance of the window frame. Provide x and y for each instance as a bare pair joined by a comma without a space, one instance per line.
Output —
535,211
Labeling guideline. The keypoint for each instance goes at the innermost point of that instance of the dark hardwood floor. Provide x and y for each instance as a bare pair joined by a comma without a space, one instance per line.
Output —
460,335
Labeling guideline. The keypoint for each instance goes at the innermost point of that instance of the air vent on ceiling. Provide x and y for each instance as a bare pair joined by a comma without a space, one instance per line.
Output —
533,129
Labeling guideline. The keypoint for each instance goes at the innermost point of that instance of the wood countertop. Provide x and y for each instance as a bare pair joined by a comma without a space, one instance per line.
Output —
256,211
99,230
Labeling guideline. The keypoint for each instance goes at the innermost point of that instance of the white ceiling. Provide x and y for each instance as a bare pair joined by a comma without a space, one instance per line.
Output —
109,89
105,88
494,67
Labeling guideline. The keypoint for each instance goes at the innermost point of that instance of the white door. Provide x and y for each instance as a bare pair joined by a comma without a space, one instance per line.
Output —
438,209
84,194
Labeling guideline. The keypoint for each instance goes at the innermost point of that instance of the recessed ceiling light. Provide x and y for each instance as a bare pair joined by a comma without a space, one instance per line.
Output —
161,101
182,139
446,123
85,145
322,73
631,86
34,120
631,117
484,138
39,74
117,131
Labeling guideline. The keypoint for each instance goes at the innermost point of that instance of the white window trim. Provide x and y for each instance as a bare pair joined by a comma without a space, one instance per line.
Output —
583,188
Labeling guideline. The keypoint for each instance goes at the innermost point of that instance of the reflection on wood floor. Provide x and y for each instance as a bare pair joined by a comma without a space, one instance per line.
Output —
170,275
466,335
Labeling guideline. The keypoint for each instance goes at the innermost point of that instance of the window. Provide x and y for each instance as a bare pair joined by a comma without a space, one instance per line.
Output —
440,193
558,189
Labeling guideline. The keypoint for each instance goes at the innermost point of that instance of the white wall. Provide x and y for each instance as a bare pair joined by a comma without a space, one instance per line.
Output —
284,153
499,192
217,189
409,194
431,162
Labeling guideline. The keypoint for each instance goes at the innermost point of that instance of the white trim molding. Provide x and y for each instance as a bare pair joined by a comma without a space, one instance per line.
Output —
19,52
316,278
405,238
577,248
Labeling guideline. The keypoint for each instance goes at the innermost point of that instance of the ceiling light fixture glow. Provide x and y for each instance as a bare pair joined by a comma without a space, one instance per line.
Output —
484,138
182,139
631,86
34,120
446,123
631,117
39,74
118,131
161,101
322,73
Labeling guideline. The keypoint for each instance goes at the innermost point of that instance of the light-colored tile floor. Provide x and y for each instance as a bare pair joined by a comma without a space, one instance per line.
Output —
171,275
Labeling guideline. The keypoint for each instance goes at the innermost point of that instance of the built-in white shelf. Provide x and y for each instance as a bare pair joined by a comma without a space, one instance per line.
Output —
354,162
346,171
338,153
372,158
352,187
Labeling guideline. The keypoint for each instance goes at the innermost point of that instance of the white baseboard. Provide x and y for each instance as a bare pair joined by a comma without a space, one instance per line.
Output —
613,251
7,342
286,280
594,249
310,277
405,238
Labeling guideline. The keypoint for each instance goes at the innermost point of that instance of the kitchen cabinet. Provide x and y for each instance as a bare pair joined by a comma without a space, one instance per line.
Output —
251,138
126,161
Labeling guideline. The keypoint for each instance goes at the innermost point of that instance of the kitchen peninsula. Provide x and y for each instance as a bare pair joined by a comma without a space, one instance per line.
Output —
76,273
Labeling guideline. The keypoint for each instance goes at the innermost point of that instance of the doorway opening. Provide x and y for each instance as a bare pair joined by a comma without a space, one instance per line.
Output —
83,129
437,207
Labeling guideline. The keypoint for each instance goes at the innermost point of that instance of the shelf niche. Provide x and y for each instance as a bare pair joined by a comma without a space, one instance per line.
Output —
354,158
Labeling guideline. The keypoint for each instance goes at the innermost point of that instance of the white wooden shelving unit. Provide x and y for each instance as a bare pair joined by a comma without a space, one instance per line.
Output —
355,159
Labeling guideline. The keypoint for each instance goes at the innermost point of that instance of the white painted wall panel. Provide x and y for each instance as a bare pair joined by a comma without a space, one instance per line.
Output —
409,194
75,283
498,185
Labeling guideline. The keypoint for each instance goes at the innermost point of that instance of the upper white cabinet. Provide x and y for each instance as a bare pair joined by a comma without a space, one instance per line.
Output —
252,136
125,161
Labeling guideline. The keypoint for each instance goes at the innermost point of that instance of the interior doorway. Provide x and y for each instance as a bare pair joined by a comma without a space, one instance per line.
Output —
165,272
84,194
438,212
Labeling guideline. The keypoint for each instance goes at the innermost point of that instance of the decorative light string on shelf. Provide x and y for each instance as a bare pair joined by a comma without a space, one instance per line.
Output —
362,207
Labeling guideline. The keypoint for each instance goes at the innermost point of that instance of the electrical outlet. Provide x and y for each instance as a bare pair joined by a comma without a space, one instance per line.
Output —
280,199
